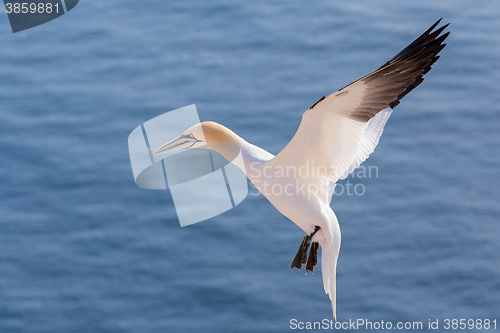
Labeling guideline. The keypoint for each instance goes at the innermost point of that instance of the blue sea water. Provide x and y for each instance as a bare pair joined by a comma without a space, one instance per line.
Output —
83,249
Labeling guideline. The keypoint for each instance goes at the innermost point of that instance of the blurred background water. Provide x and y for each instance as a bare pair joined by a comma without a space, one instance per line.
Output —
83,249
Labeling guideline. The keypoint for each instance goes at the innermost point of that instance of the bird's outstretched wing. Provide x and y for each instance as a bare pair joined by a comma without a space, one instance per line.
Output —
340,131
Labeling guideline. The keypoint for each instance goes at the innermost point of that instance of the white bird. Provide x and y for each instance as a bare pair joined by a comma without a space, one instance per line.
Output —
336,135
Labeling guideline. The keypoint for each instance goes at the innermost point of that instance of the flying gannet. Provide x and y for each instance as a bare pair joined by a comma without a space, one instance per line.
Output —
336,135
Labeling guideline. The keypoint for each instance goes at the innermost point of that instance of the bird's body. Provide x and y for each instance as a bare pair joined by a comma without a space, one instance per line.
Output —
336,135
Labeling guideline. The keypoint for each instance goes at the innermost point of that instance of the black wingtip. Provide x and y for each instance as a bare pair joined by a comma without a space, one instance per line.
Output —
423,40
435,24
432,27
440,30
403,73
443,37
426,47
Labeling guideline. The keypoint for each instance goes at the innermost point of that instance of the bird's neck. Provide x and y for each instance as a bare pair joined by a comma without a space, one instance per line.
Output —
254,157
244,155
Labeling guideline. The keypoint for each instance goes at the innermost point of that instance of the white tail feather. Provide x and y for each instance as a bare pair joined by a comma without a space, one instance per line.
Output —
329,269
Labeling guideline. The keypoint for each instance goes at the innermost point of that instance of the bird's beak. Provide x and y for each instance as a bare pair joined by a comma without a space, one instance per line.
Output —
185,141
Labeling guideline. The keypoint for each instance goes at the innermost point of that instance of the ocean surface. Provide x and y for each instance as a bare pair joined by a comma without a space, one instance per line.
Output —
83,249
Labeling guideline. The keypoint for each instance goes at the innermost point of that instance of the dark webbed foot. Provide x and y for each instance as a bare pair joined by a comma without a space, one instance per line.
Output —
313,257
301,256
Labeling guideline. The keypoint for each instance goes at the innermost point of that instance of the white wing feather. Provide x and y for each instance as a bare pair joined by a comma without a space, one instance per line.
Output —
326,142
369,140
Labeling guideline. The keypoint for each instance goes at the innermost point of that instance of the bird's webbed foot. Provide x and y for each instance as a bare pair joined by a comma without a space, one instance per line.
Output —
301,256
312,261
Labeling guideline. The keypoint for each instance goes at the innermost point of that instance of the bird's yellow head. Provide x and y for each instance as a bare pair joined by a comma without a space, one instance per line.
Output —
207,135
